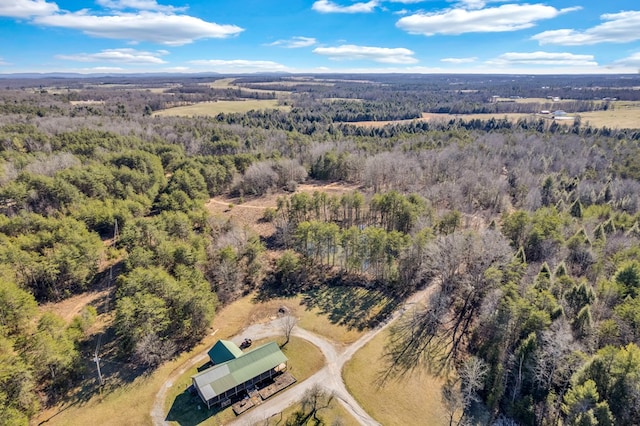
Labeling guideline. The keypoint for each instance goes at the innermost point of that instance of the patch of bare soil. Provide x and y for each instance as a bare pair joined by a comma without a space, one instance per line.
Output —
71,307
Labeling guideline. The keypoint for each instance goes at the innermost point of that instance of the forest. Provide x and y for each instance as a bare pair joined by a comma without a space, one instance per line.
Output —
528,230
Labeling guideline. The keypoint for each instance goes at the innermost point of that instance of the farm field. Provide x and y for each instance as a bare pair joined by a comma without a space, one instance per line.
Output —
228,83
215,108
624,115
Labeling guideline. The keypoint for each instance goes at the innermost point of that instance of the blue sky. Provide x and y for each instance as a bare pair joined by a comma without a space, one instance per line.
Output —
241,36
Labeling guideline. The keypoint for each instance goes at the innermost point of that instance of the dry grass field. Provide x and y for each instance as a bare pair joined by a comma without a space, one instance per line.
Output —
413,400
215,108
228,83
623,115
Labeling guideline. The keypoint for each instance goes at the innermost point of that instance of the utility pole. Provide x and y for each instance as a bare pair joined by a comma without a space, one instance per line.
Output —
96,359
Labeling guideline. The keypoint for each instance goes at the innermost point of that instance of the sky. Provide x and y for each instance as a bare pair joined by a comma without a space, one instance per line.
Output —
320,36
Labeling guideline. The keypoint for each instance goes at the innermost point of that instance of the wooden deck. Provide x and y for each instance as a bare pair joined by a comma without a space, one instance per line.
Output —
280,382
254,397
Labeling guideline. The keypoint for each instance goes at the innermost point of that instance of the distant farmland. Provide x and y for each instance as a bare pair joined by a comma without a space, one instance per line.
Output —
622,115
215,108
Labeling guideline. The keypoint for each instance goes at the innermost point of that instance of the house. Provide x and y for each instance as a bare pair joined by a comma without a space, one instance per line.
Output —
227,379
561,115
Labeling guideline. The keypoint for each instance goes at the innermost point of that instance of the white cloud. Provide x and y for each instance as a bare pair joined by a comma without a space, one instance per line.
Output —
508,17
384,55
26,8
127,56
138,5
459,60
622,27
543,58
172,30
239,65
295,42
326,6
476,4
407,1
2,62
630,61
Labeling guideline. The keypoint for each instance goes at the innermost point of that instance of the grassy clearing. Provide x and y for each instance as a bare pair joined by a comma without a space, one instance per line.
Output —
339,314
355,308
222,83
183,408
314,318
413,400
215,108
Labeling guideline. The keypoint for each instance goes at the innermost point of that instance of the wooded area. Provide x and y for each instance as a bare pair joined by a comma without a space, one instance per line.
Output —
529,231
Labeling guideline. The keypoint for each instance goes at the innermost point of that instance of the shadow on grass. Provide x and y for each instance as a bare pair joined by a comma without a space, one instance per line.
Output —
188,409
352,307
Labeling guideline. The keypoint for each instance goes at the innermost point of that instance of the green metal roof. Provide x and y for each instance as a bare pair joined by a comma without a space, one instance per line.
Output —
222,377
223,351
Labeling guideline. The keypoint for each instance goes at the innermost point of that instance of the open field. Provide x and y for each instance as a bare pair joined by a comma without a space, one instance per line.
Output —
623,115
221,83
215,108
228,83
183,408
294,83
415,399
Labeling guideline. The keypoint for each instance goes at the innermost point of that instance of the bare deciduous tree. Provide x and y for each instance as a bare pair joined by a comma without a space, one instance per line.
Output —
152,351
287,323
465,267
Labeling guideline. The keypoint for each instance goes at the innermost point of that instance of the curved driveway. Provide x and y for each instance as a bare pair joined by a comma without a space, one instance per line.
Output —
329,377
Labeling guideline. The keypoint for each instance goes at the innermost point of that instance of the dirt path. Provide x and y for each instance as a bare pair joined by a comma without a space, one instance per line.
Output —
235,206
329,377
